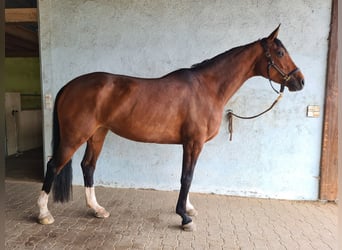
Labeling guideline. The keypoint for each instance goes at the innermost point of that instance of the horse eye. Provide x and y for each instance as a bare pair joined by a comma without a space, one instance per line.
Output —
280,53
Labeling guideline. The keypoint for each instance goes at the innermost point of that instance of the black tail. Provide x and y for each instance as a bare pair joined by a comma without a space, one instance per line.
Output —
62,187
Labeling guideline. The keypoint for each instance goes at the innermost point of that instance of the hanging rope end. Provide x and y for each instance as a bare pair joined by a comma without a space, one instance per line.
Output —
230,115
230,123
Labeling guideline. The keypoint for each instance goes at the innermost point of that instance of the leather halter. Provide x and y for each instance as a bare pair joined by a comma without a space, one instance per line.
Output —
270,63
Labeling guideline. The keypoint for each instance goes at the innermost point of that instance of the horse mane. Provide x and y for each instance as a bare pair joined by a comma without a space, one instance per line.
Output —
231,51
199,64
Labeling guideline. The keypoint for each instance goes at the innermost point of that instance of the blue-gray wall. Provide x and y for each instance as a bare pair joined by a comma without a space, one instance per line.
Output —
277,155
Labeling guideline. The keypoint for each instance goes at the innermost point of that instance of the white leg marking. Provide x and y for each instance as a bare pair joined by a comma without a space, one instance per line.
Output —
190,210
100,212
45,216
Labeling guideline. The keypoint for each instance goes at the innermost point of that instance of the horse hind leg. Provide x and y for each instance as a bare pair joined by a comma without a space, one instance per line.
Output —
88,164
59,160
45,216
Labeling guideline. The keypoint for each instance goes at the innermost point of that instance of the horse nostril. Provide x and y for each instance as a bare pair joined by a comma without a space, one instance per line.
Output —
302,82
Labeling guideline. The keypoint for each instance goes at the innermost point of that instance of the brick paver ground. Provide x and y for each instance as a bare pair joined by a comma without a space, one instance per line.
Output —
145,219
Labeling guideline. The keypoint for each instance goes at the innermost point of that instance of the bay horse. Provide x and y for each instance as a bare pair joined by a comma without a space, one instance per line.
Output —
183,107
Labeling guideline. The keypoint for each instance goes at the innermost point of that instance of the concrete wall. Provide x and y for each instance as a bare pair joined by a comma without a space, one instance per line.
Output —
274,156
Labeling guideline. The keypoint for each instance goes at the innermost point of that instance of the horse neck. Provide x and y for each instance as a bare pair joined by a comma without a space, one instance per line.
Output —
225,73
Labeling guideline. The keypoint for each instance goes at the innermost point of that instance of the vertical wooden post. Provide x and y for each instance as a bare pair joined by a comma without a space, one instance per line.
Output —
329,158
2,126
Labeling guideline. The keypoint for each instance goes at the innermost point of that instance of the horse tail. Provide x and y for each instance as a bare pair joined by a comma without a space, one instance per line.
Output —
62,187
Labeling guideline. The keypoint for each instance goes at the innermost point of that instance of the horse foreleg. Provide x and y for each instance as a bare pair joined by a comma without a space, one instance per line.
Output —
94,146
191,152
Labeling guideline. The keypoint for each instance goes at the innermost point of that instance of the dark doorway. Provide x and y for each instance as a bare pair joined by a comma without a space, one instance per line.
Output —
24,151
25,165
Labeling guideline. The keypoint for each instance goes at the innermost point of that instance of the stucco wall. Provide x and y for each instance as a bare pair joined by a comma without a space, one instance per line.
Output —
274,156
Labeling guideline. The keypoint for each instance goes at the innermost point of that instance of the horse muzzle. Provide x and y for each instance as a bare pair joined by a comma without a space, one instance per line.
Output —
295,82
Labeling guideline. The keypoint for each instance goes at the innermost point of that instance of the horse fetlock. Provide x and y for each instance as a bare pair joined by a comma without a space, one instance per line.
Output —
187,223
43,200
185,220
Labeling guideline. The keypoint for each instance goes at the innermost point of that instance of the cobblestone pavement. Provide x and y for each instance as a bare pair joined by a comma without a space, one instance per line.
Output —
145,219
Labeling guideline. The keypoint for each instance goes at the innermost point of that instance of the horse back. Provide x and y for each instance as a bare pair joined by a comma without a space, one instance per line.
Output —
148,110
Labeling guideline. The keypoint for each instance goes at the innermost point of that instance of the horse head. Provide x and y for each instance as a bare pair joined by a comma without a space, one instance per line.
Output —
277,65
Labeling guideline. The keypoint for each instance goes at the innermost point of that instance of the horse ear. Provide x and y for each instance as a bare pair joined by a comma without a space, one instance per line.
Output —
273,35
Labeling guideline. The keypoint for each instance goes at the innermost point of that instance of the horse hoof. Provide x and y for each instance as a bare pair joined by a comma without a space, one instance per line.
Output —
192,212
102,214
189,227
47,220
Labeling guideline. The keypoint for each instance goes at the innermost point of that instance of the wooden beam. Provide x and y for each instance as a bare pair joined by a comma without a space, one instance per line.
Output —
329,159
21,15
21,32
12,42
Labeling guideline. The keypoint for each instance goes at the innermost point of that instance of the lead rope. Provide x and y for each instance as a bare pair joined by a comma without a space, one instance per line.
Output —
230,115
